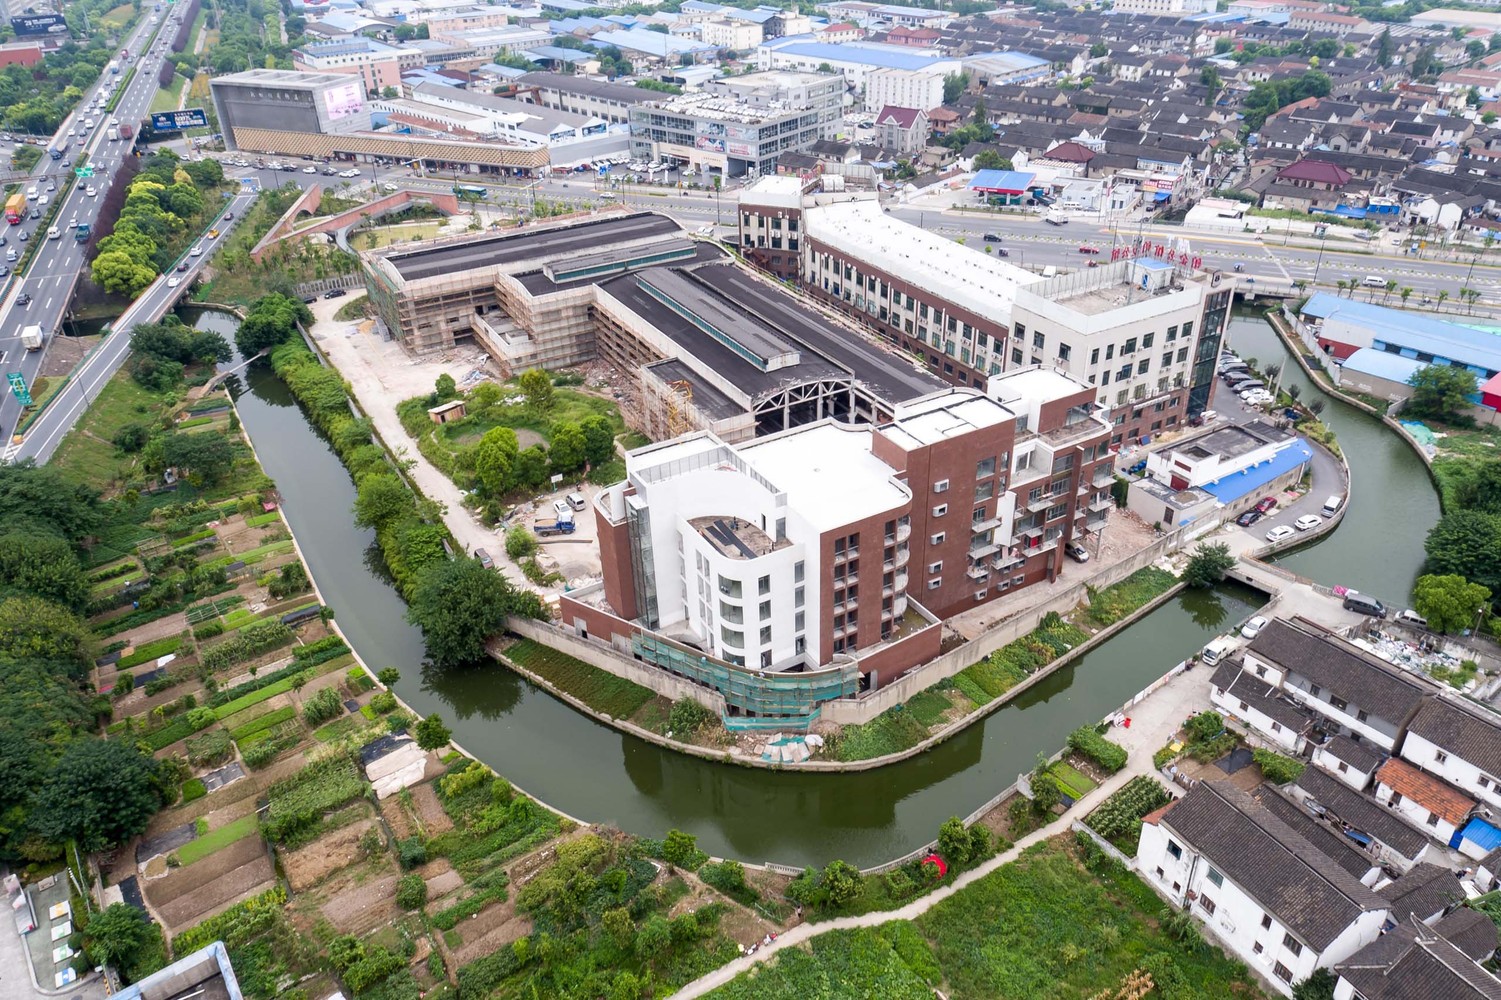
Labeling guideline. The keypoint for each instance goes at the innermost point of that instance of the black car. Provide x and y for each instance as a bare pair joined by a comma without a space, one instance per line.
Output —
310,300
23,299
334,293
992,237
183,266
1249,518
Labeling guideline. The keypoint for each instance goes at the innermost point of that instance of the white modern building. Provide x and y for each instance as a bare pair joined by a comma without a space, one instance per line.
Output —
506,118
1460,743
903,89
1273,899
855,61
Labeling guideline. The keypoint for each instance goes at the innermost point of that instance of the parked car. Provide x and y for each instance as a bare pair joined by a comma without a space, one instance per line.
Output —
1266,504
334,293
1003,252
1308,522
1280,532
1077,552
1364,604
1249,518
1252,628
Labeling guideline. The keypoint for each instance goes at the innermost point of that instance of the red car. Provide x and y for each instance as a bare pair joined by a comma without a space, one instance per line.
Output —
1266,504
1089,249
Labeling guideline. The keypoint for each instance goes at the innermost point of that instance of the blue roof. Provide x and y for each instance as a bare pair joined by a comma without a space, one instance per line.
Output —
1414,331
1016,60
1148,264
884,57
1002,180
556,53
1392,367
651,42
1248,481
1479,832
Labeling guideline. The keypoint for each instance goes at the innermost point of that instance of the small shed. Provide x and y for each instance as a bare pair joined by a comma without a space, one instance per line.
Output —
447,412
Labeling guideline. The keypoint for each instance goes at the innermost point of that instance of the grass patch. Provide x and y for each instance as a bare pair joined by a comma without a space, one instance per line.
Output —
337,729
928,707
1108,606
263,724
169,98
254,698
893,731
1014,662
86,454
1074,782
600,690
384,236
215,840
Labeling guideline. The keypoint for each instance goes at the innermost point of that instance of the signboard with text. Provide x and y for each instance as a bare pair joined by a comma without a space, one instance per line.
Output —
176,121
18,386
39,24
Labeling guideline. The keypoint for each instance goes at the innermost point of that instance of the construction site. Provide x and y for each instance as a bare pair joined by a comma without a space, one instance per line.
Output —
703,342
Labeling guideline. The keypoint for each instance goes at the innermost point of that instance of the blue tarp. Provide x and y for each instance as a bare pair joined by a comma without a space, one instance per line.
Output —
1483,834
1161,195
1248,481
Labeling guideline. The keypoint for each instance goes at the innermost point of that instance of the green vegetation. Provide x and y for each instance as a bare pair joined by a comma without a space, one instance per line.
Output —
599,689
893,731
1208,565
216,840
1440,392
1118,818
1276,768
1015,661
239,279
1450,603
1090,745
299,801
36,99
1108,606
1042,927
163,208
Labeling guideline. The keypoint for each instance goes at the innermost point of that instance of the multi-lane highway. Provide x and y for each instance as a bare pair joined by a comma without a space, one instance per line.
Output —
41,295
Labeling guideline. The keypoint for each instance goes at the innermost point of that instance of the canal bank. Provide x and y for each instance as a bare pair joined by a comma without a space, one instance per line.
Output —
586,769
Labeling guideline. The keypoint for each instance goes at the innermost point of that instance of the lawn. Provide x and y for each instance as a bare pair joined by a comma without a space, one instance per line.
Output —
117,18
1043,927
86,454
384,236
169,98
600,690
215,840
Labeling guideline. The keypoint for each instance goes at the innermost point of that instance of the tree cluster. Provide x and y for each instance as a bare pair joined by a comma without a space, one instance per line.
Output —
1271,96
161,352
162,203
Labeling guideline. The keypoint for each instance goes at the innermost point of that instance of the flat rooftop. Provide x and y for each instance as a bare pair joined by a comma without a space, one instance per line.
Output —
574,271
943,416
711,107
1231,441
706,396
503,250
830,476
976,281
1040,384
735,538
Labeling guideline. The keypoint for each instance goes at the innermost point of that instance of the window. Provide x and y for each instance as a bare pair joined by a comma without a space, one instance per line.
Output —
1439,756
1038,339
1343,768
1292,944
940,510
935,583
728,587
1361,715
765,610
1433,819
1172,334
1256,948
765,635
797,598
934,567
1215,877
980,595
1146,341
1064,352
799,621
1207,904
1129,347
763,586
797,571
978,515
1175,850
1338,703
1266,922
938,538
1094,356
1283,972
1142,366
942,486
984,491
985,467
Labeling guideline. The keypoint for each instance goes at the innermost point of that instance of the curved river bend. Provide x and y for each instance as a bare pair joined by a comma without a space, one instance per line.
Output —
591,771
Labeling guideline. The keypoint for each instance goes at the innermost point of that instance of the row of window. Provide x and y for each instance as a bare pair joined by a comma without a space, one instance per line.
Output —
1207,904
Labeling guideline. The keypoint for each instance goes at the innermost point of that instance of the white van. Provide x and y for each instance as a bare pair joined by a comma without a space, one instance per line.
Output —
31,193
1371,281
1217,651
1333,505
54,233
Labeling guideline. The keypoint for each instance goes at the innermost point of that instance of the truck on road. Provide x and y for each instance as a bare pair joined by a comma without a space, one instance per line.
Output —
126,131
32,338
1055,217
113,133
58,148
15,208
113,67
554,524
81,232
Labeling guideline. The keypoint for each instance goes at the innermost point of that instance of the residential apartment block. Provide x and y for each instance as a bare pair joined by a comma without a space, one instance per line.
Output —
722,134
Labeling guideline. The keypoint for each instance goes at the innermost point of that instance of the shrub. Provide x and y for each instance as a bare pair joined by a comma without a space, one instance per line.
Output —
411,852
193,789
687,717
1123,810
411,892
250,641
210,748
726,876
208,630
321,707
1089,744
383,702
1276,768
1204,727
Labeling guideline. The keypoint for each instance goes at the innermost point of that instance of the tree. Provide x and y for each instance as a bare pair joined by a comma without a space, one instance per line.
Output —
1320,985
381,500
954,84
1208,565
43,566
679,848
1405,293
618,925
842,883
270,321
1439,392
495,460
1209,76
1449,602
531,467
520,542
431,733
654,938
101,793
1384,47
207,457
33,627
568,447
1464,543
118,274
388,676
990,159
483,397
116,935
445,388
459,606
537,385
1099,50
599,439
953,841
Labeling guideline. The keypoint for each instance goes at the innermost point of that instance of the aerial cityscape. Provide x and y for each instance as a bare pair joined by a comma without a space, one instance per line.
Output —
482,510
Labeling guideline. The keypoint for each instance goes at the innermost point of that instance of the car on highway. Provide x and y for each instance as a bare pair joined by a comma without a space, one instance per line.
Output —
25,236
4,271
67,164
114,121
310,170
197,251
173,281
90,191
36,213
213,234
23,299
182,265
229,216
992,237
1089,250
1266,504
349,173
1308,522
1249,518
1280,532
330,172
1252,628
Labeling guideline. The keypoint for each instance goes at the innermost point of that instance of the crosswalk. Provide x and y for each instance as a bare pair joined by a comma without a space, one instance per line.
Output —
9,455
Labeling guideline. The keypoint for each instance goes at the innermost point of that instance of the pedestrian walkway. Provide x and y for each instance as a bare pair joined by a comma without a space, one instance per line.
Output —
1153,721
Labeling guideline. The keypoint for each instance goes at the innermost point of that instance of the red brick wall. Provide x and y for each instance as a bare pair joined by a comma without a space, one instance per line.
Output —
601,624
872,533
901,656
615,562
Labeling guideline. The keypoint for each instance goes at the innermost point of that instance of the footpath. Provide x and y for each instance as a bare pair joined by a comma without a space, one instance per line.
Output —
1153,721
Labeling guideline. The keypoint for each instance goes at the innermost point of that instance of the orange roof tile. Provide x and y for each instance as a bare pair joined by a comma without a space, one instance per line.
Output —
1431,793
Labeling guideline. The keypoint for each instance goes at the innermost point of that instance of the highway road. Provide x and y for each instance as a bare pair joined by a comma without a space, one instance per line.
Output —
41,295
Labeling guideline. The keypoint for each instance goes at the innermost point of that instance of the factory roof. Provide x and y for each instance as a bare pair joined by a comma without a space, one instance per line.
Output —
537,245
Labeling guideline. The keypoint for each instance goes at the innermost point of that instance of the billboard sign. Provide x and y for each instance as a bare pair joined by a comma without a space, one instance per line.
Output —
344,100
176,121
39,24
744,150
745,133
18,387
712,145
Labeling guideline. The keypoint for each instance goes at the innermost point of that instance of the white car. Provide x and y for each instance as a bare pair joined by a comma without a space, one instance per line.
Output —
173,281
1308,521
90,191
1280,532
197,251
43,200
1252,628
114,121
349,173
310,170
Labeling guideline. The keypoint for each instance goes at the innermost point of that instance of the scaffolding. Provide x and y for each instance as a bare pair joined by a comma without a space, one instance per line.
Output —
791,697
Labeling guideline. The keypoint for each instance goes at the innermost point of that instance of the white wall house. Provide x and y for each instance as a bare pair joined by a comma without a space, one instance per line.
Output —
1238,695
1459,743
1263,890
1347,761
1425,802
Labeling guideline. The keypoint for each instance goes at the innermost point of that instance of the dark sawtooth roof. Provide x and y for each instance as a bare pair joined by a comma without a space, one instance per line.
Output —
1341,668
1424,892
1263,697
1471,732
1361,813
1413,962
1362,756
1471,931
1310,894
1339,849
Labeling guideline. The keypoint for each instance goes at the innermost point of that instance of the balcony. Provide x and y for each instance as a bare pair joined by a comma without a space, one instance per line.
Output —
977,552
1104,475
903,556
903,532
1043,502
1096,521
1038,550
1004,562
977,573
1034,532
1101,504
989,524
901,582
899,606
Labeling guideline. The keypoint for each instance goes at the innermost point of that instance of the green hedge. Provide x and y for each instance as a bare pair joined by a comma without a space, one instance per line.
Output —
1089,744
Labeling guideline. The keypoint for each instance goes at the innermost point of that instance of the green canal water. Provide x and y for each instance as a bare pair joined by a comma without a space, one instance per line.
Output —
597,774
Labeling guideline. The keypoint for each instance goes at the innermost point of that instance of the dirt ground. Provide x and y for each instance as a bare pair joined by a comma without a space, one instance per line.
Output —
429,810
220,894
310,865
396,817
443,883
195,877
491,929
360,899
64,353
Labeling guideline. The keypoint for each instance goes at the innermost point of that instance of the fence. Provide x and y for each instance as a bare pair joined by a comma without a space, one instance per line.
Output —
1110,849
